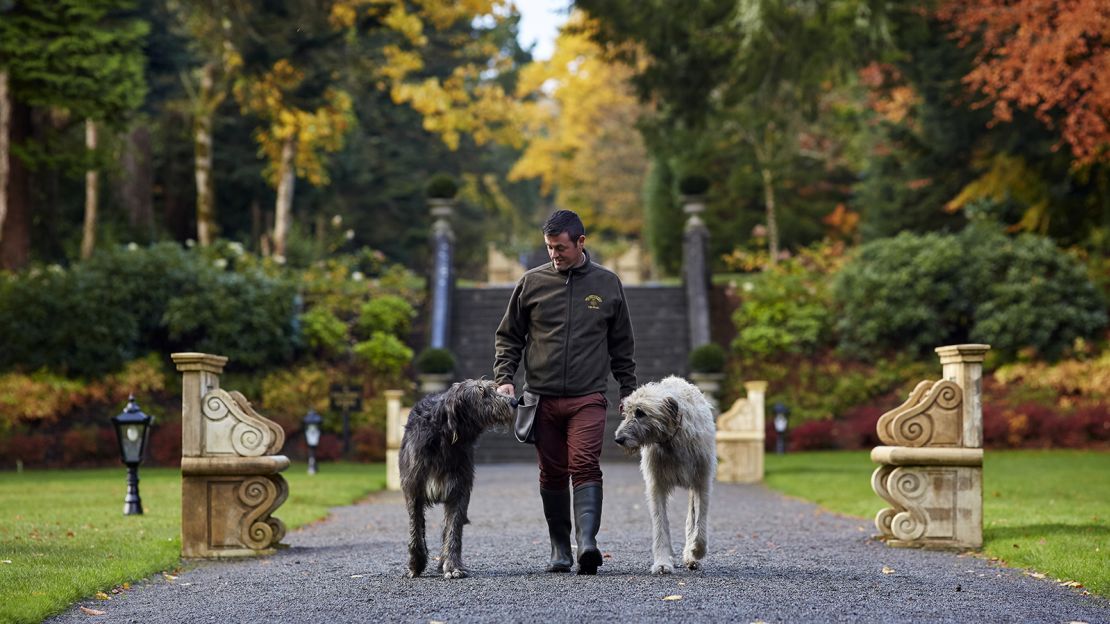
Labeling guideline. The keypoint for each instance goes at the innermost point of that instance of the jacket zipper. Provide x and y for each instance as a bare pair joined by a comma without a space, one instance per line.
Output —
566,337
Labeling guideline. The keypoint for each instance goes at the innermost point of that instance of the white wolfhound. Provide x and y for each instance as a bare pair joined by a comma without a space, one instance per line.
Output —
671,423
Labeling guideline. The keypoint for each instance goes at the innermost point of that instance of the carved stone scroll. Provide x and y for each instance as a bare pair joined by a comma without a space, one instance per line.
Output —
932,416
931,474
230,475
740,436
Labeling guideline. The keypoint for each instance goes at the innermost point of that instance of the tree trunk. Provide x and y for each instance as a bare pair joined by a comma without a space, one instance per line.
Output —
92,186
772,219
5,126
15,243
204,110
283,211
136,184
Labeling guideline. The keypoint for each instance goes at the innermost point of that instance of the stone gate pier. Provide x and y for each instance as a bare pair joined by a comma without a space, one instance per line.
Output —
931,472
230,481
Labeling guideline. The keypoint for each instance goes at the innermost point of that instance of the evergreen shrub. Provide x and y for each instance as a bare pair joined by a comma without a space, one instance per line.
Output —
387,313
917,292
384,354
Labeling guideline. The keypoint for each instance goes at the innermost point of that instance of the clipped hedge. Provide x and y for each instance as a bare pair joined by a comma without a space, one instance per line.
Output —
90,319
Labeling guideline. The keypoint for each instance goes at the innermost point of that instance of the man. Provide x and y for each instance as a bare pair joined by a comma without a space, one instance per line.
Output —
569,320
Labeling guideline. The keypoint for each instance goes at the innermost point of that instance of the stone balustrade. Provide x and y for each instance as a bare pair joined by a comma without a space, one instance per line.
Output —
931,472
230,473
740,437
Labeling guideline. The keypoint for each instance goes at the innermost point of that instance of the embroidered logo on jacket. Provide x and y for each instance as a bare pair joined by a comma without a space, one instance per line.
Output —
593,302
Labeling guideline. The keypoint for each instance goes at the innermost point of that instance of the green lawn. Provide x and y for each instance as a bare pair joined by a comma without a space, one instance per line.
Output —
1048,511
63,535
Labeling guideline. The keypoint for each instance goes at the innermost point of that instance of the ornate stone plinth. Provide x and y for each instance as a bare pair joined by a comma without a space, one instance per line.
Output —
932,472
740,437
230,477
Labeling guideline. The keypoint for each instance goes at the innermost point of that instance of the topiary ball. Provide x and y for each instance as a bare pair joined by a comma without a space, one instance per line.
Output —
435,361
708,358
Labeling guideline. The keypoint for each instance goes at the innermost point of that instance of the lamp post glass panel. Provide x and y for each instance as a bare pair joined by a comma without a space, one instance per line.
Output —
132,431
781,415
312,422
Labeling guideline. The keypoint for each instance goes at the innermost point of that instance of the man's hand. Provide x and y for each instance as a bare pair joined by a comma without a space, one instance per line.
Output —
507,390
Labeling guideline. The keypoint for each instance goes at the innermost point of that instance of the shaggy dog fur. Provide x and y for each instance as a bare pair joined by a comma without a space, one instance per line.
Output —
437,464
671,423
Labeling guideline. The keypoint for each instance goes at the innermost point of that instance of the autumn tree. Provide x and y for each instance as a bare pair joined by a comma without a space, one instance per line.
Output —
582,143
753,71
207,83
290,81
1046,56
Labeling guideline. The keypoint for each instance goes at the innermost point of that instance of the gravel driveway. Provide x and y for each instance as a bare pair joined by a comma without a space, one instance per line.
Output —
770,558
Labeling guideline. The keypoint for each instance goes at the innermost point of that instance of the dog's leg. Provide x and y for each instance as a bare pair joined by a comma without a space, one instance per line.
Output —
418,548
696,522
454,517
662,554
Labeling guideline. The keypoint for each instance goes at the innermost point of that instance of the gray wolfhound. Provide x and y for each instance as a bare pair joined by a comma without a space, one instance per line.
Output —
671,423
436,461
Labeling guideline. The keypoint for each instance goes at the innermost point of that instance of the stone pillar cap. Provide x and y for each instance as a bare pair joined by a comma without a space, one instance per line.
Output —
190,361
962,353
394,394
755,386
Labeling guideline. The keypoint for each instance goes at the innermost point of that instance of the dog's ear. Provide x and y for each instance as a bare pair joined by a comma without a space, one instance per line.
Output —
670,406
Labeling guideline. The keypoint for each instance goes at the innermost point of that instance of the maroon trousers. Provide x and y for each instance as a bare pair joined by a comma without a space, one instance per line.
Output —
569,432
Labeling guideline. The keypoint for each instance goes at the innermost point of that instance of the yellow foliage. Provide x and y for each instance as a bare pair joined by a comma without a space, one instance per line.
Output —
1086,378
43,396
580,117
1009,177
462,103
314,132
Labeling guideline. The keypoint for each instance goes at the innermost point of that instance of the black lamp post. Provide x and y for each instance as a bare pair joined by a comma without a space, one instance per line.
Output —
312,422
781,415
132,431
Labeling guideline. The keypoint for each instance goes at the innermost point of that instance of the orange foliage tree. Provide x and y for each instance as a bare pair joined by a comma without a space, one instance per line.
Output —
1046,56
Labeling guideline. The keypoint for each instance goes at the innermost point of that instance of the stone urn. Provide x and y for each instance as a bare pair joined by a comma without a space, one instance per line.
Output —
709,384
430,383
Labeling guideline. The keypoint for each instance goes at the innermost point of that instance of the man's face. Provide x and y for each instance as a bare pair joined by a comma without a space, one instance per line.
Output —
563,252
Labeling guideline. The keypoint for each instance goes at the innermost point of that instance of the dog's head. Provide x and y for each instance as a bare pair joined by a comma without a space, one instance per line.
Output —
472,406
649,416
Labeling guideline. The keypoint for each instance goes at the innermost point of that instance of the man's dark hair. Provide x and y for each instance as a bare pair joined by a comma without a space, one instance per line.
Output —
564,221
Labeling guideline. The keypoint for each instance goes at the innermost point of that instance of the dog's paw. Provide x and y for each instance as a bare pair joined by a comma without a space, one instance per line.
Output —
692,564
454,573
412,573
659,568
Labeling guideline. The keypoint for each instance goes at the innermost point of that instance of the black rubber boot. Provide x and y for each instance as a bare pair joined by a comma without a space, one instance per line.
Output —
556,508
587,515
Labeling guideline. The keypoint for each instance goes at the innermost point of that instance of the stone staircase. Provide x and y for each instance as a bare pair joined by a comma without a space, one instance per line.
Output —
658,319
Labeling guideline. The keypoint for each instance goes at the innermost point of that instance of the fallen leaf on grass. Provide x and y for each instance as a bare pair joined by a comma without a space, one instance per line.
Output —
1075,584
888,570
672,597
88,611
169,577
1036,575
102,596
